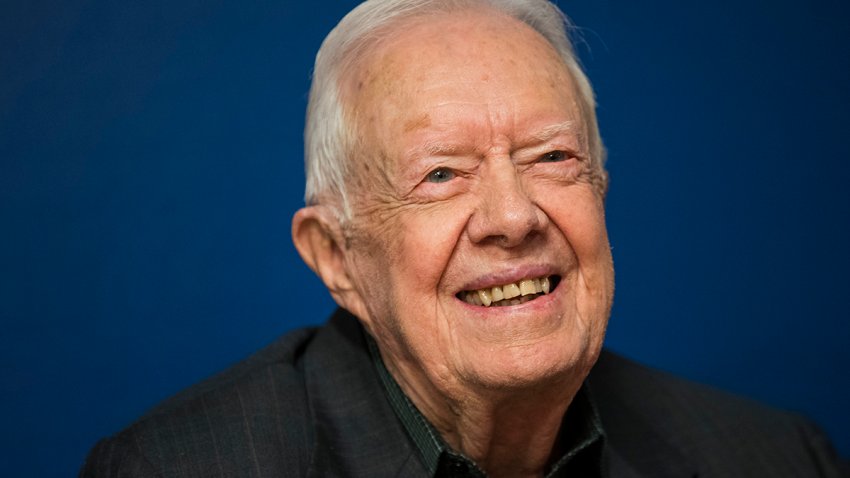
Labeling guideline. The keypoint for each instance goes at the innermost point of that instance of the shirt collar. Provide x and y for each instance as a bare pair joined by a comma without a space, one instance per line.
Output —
581,431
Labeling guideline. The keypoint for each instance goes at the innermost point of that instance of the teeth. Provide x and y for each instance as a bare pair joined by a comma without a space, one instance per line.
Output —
485,297
511,291
508,294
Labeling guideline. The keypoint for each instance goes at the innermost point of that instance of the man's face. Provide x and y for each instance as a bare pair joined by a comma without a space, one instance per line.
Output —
474,181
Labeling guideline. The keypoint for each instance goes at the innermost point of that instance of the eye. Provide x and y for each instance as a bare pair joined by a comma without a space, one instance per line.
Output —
553,157
440,175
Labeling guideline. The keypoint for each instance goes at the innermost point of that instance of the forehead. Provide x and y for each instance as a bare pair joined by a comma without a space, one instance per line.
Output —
465,70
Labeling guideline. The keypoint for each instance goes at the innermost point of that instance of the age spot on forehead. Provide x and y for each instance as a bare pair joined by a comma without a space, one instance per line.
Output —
421,121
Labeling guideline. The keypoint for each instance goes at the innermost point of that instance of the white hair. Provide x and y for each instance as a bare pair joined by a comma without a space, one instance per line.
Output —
329,136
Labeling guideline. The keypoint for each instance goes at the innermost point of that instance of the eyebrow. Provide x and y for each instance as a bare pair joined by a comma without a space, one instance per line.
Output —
557,129
434,148
437,148
440,148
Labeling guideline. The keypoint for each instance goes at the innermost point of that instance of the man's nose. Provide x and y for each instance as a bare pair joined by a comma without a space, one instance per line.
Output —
505,214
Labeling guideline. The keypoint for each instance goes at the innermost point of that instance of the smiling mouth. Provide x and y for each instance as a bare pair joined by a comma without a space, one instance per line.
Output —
515,293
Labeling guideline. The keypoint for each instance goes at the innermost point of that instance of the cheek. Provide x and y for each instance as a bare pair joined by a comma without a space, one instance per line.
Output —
579,214
417,264
429,240
583,226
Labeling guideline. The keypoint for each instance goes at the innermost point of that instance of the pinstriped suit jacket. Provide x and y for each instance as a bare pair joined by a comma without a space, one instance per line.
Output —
311,405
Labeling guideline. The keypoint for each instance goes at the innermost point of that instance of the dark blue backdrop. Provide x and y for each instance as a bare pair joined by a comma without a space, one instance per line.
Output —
151,161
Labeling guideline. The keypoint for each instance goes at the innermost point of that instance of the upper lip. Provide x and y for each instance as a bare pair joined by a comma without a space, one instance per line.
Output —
509,275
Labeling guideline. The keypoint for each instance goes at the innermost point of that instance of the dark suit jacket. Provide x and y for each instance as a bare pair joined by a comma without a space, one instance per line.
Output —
311,405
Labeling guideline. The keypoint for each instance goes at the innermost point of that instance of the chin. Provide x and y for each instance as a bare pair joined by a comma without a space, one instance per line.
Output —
551,362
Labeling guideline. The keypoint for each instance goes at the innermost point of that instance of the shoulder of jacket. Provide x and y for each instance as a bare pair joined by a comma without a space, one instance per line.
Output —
729,434
253,416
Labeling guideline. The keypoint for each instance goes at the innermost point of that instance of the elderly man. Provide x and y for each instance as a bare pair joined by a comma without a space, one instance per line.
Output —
455,190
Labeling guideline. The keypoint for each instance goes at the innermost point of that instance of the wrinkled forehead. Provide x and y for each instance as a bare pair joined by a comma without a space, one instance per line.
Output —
411,59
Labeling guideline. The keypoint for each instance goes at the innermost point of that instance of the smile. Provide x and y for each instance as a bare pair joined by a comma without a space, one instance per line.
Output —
515,293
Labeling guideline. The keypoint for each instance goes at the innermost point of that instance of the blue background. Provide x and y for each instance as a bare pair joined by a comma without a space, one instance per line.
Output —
151,160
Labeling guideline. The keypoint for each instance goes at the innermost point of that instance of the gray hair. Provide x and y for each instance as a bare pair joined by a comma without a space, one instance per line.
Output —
329,136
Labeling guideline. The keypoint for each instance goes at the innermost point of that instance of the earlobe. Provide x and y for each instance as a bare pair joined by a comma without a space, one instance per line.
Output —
317,235
315,232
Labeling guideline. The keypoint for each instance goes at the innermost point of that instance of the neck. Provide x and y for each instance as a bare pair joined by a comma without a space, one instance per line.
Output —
511,437
506,432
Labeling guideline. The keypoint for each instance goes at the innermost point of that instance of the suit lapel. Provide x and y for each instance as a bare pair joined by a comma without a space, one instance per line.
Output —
356,430
646,456
635,445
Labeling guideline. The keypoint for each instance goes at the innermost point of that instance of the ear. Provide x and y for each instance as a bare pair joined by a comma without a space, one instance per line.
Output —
317,234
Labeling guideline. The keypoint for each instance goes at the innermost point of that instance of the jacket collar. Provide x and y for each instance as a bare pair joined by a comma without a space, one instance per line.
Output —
359,436
636,446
